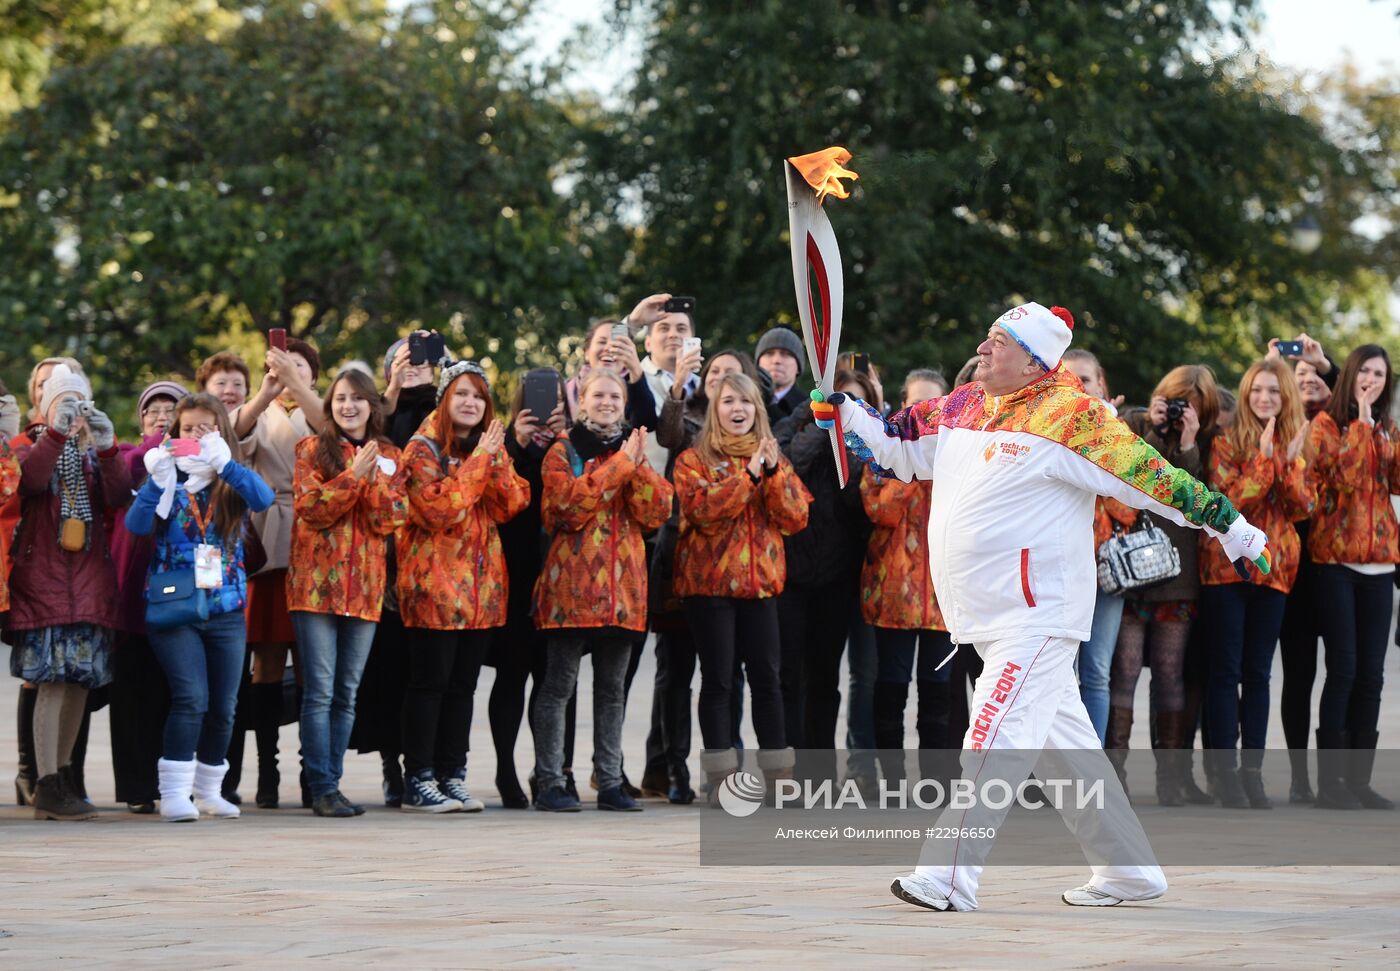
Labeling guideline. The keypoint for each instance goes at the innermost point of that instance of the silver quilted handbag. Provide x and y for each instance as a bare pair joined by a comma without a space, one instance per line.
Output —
1136,559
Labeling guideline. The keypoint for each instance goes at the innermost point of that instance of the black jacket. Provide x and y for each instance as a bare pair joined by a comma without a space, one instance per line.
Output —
832,547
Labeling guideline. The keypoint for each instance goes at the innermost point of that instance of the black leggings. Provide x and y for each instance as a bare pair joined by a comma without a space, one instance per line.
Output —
727,630
814,621
1355,633
1302,626
437,706
520,658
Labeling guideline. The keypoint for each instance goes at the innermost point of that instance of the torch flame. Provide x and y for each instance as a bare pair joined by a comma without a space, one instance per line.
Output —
823,171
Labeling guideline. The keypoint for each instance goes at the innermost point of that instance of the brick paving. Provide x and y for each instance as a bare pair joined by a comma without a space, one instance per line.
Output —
594,890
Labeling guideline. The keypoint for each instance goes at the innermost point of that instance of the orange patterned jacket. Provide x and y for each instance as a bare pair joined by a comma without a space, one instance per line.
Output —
337,562
9,485
731,540
452,573
896,587
595,572
1352,476
1272,494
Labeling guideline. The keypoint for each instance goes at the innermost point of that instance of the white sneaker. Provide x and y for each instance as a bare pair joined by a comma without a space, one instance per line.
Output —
455,788
913,891
1089,896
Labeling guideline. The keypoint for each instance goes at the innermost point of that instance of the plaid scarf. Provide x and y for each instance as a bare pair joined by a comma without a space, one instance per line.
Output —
70,484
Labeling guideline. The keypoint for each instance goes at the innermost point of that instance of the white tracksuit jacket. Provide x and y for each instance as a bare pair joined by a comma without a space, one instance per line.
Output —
1011,526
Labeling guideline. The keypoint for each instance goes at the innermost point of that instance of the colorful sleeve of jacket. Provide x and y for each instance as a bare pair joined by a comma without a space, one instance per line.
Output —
883,500
1246,479
386,498
322,502
507,493
437,500
9,471
569,502
786,499
1347,460
707,503
1295,492
1106,458
902,446
649,497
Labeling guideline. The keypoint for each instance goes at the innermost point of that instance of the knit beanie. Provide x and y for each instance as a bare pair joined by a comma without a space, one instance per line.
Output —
455,371
389,357
61,380
160,389
1043,334
781,339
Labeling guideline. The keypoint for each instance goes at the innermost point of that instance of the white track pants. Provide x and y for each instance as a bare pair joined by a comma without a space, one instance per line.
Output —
1027,698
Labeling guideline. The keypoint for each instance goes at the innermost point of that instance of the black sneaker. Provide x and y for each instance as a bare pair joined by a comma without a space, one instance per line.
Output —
617,800
556,799
680,795
329,805
422,795
354,807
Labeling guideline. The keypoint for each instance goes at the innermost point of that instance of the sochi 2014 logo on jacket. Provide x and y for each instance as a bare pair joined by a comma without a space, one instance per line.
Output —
1005,453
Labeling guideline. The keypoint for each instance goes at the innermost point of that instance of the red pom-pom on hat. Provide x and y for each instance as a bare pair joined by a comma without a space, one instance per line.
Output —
1064,315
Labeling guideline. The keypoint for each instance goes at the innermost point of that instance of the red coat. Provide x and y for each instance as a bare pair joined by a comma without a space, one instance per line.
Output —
1352,474
896,586
48,585
1273,494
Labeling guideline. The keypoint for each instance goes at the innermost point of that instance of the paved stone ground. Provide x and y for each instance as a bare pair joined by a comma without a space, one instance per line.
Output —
523,889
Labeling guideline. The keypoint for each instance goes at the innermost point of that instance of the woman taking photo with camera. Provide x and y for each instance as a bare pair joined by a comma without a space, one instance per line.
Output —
1259,465
63,586
1180,424
452,582
1353,541
347,497
600,497
195,500
739,497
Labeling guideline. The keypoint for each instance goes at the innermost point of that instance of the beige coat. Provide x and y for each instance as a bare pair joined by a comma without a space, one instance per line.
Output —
271,451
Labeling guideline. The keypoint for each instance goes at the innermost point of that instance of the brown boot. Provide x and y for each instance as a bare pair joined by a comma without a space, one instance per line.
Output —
775,763
1120,727
717,764
53,800
1169,753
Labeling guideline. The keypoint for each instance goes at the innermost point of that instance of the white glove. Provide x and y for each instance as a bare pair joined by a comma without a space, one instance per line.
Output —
160,466
215,452
1245,542
193,465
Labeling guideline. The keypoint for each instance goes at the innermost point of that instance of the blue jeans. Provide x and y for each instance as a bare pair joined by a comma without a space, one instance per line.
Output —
203,665
1241,623
1096,659
332,652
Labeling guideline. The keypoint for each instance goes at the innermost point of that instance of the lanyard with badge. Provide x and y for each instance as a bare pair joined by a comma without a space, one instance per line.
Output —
208,559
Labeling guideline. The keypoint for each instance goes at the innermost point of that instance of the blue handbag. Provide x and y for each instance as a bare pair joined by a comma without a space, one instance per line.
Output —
173,600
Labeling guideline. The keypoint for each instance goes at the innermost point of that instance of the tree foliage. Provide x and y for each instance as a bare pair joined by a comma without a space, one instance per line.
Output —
331,172
1080,152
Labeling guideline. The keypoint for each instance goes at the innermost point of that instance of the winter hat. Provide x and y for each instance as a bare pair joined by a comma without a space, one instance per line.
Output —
781,339
62,380
1043,334
160,389
455,371
389,357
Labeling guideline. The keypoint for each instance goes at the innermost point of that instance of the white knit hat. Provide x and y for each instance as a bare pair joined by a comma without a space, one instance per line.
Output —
62,380
1043,334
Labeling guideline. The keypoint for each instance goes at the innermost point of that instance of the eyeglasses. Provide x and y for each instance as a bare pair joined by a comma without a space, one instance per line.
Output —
159,411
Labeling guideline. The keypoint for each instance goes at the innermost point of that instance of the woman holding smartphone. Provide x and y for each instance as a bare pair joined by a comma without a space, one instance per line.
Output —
195,501
348,497
600,497
452,581
739,497
1355,544
609,345
1259,465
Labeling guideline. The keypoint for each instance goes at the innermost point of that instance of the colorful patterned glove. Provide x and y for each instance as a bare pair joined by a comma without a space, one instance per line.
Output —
824,407
1243,542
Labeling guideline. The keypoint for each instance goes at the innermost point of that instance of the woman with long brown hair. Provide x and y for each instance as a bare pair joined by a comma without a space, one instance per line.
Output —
1180,424
1259,464
196,499
348,497
1355,544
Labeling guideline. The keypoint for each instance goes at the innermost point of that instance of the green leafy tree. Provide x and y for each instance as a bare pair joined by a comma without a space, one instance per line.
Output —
1080,152
340,172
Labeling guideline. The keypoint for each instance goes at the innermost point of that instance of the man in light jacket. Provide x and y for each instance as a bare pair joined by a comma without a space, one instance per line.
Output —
1019,454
